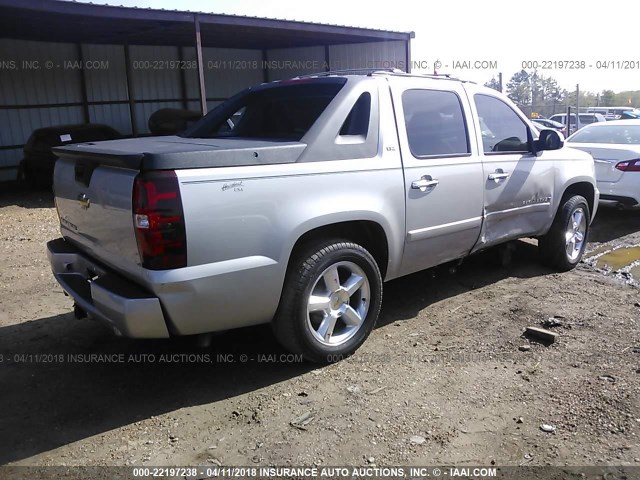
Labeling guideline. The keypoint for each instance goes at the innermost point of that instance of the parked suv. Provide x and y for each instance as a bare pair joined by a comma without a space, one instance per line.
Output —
583,118
293,201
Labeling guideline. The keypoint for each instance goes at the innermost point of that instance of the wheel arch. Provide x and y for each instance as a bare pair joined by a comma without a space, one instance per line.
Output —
366,233
585,189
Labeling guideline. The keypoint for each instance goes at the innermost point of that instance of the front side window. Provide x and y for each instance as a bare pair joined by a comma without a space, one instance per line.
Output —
435,123
502,129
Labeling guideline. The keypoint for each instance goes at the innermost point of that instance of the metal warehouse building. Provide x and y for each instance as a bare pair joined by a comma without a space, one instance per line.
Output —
64,62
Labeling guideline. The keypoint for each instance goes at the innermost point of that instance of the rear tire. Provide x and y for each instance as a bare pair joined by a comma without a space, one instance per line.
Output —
330,301
562,247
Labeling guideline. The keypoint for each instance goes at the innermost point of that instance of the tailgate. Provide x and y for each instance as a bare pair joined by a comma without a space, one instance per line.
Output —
94,202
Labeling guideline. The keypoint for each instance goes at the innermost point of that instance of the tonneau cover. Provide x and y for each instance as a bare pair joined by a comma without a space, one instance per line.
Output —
173,152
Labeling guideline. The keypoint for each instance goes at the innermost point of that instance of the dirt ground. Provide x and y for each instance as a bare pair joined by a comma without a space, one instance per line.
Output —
443,379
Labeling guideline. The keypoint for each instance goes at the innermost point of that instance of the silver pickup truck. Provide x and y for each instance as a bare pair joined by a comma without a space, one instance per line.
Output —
293,201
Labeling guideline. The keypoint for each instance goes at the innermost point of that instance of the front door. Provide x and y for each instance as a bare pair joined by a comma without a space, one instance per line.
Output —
517,184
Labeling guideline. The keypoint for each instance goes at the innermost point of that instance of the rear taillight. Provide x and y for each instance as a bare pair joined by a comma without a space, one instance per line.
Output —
158,219
629,165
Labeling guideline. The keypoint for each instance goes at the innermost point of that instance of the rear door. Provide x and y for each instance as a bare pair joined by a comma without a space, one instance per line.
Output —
518,185
443,173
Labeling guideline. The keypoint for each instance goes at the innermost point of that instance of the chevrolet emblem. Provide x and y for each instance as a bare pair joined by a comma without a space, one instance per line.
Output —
85,202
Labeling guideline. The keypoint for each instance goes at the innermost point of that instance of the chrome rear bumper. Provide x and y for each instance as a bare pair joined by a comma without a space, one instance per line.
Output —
106,296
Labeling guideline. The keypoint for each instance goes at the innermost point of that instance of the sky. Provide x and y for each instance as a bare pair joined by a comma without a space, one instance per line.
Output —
575,42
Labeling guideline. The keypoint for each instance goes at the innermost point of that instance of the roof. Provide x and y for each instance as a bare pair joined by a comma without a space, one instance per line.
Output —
75,22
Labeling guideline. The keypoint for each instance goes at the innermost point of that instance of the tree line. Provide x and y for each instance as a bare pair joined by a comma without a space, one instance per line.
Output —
534,92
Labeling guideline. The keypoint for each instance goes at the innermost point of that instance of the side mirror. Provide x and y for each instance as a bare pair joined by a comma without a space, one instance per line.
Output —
549,140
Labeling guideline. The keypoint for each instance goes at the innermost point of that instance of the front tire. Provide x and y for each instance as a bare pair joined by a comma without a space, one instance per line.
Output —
330,301
562,247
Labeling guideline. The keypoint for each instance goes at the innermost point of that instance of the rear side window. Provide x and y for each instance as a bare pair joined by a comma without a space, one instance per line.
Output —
505,131
435,123
357,122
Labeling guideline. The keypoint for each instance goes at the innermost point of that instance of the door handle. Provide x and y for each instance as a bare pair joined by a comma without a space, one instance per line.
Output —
498,175
425,183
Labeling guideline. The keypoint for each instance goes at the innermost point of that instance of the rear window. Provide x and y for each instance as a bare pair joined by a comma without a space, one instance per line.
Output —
283,112
621,134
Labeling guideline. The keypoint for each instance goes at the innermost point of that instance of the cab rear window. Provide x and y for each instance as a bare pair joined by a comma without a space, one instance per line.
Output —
283,112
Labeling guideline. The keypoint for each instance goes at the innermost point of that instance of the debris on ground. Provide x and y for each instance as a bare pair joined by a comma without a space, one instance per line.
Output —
546,336
553,322
302,421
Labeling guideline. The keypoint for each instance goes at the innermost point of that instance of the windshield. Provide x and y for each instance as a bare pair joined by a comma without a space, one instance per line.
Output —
285,111
622,134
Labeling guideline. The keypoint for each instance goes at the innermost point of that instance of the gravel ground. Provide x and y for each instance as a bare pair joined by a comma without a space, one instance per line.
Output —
446,377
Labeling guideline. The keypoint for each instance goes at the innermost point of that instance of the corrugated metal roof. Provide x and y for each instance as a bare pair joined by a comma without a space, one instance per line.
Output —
251,17
80,22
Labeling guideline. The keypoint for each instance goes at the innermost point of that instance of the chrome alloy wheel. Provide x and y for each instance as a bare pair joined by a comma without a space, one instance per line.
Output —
575,233
338,303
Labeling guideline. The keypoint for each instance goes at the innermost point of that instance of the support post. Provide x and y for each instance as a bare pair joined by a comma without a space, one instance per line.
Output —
83,86
265,63
201,85
578,107
327,64
132,101
183,81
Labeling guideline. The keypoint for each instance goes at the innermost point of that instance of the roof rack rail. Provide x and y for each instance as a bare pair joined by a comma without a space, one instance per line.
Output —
381,71
351,71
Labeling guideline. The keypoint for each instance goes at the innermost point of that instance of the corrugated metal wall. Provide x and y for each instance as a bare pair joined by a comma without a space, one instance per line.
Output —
34,73
41,83
289,62
108,85
227,71
368,55
154,81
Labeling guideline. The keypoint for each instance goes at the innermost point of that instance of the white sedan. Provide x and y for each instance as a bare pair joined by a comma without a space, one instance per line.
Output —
615,148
